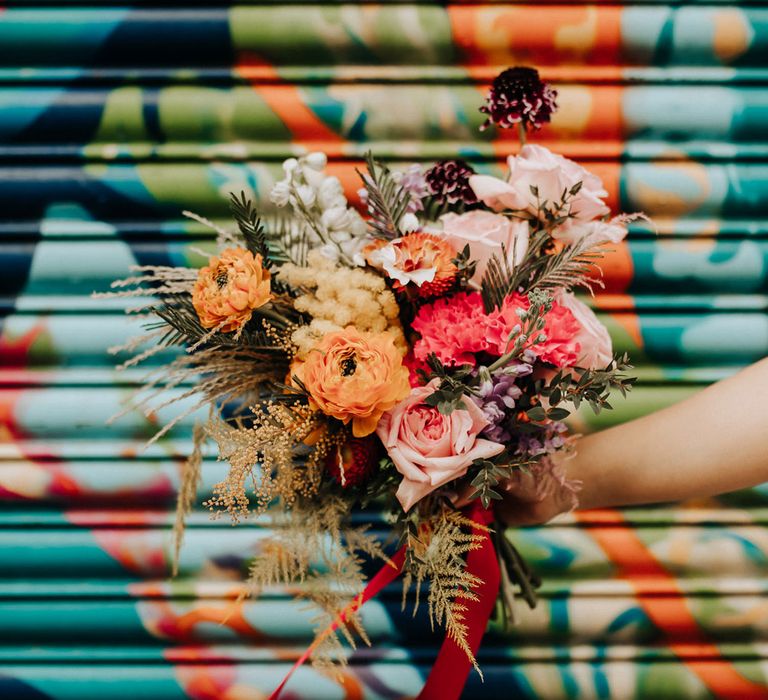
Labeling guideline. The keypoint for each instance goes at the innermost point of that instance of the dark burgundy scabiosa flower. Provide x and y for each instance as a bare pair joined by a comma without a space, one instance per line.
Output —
517,96
448,181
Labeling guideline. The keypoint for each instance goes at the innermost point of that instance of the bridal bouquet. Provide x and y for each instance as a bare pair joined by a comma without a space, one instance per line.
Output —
404,358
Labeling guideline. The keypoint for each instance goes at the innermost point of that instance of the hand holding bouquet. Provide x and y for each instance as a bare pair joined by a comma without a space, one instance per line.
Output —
434,347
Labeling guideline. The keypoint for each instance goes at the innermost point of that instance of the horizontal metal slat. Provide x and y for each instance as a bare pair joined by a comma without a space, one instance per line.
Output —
275,623
427,120
559,679
638,266
476,36
61,195
59,413
216,551
152,482
679,338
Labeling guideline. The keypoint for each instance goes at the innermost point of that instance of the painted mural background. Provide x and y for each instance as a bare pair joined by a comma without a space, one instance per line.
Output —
114,119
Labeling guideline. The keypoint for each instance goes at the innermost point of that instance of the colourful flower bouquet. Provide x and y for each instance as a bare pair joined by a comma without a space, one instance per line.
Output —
411,359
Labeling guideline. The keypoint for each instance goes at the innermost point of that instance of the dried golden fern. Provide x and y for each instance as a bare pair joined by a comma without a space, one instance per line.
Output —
314,546
437,554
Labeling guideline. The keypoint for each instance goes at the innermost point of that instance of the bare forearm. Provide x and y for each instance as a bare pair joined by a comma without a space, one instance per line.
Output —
713,442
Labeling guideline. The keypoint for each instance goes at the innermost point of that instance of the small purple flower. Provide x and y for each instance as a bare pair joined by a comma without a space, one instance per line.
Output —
496,398
448,181
521,369
414,182
549,440
518,95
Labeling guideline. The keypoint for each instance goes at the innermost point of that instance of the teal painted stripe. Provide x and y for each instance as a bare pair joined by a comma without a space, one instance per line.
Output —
189,589
283,622
678,36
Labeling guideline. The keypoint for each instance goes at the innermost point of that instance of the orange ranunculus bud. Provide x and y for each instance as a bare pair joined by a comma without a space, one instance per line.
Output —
229,288
355,376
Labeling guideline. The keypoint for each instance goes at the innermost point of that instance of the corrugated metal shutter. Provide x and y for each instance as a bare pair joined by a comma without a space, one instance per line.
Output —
113,119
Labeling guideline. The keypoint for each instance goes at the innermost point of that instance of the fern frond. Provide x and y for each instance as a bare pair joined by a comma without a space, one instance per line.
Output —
387,200
250,226
313,546
289,241
436,553
499,281
178,316
568,268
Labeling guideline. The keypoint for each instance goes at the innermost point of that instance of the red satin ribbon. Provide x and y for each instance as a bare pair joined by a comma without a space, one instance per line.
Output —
449,674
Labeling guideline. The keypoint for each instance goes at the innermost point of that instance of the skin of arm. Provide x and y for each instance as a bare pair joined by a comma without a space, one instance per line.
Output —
713,442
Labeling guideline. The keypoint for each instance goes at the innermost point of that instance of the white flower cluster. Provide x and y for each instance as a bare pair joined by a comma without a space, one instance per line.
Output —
332,225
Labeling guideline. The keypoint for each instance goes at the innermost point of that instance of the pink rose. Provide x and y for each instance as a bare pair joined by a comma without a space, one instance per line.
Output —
613,231
497,194
598,232
428,448
596,349
485,233
552,174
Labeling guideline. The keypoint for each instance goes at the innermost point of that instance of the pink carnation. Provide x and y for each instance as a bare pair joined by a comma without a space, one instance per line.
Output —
454,328
561,348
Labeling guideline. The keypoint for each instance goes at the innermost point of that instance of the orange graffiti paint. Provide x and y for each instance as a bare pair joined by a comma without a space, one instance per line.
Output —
670,614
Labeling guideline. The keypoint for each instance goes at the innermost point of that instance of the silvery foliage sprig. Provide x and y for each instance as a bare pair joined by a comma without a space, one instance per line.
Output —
318,201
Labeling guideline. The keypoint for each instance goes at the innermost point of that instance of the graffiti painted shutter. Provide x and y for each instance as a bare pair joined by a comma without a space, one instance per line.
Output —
114,119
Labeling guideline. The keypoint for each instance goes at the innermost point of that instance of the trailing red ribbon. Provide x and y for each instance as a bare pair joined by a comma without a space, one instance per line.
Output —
449,674
388,573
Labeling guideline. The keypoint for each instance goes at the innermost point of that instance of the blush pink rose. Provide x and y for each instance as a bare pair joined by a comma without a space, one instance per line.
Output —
596,349
598,232
428,448
498,194
485,233
551,173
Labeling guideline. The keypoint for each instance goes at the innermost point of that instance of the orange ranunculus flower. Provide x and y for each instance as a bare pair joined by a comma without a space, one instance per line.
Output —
229,288
355,376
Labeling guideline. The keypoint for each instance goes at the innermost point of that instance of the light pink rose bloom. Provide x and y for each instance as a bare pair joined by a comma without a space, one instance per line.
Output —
551,173
612,231
598,232
485,233
497,194
596,347
428,448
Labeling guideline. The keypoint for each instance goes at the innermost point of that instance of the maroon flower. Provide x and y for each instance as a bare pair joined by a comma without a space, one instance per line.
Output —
517,96
448,181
